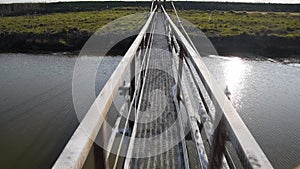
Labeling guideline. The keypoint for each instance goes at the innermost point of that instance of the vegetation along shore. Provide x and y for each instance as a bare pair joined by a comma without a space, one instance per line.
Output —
234,29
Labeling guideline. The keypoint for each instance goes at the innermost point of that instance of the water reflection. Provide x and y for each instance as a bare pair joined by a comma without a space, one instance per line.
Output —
235,74
266,95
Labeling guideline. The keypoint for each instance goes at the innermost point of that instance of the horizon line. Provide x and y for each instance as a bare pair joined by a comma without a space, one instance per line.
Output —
290,2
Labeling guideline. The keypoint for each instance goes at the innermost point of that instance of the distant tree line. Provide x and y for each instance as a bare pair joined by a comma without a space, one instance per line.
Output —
227,6
45,8
19,9
63,7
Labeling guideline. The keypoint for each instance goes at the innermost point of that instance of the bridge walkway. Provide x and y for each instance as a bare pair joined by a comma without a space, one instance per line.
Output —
156,119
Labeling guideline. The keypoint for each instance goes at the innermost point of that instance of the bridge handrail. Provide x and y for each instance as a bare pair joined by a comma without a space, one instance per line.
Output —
77,149
248,150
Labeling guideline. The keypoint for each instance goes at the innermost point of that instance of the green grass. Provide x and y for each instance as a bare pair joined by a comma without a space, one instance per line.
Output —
230,23
215,23
63,22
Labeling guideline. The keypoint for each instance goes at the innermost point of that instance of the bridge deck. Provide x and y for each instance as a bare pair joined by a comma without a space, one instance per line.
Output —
158,116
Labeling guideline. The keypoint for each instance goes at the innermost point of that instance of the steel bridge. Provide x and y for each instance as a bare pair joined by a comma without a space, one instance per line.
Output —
166,122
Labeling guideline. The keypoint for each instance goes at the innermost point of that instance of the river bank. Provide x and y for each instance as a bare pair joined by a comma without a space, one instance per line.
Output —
233,33
257,46
240,45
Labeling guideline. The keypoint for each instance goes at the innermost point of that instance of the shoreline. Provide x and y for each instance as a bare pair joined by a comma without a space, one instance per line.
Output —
286,60
257,46
241,45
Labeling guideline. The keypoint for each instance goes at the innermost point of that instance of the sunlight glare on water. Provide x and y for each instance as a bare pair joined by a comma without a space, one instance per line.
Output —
235,74
266,96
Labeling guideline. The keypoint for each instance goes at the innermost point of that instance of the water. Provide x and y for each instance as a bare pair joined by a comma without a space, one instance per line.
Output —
37,116
267,97
36,110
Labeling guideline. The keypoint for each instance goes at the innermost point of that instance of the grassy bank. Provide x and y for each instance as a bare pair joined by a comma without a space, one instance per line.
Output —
270,32
55,32
63,22
213,23
250,34
233,23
